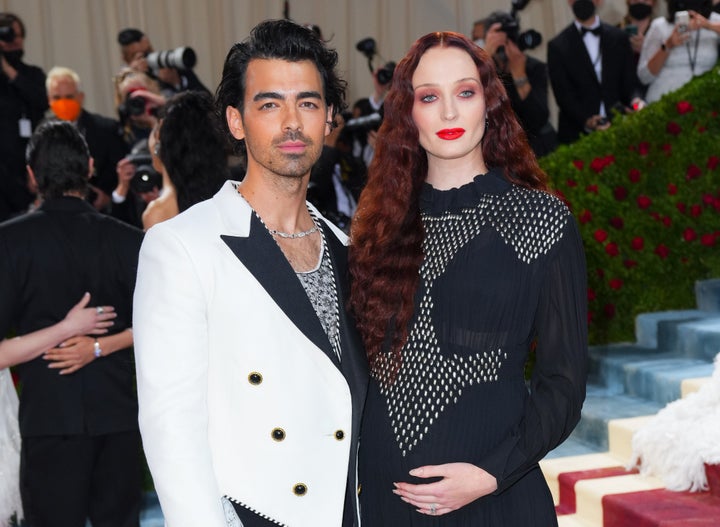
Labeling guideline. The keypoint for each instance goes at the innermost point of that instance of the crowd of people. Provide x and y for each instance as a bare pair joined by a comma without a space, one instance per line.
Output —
247,283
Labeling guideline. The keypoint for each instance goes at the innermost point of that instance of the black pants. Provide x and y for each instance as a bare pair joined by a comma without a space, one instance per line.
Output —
64,480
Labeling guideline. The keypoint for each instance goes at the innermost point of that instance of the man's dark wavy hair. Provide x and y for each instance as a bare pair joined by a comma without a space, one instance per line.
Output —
59,157
284,40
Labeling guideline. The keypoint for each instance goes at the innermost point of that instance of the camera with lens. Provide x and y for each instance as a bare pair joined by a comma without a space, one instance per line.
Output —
510,25
368,47
146,178
366,123
182,58
131,107
7,34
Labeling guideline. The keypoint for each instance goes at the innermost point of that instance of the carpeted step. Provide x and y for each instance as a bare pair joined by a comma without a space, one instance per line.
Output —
601,407
699,339
555,467
661,508
620,434
658,330
707,294
591,494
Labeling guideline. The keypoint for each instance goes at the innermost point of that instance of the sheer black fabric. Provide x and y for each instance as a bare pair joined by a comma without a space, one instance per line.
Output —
504,268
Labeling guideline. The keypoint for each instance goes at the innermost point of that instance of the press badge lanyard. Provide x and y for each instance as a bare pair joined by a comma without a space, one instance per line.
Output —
693,58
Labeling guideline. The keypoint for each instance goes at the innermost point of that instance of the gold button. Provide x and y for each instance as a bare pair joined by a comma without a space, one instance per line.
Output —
255,378
339,435
359,489
300,489
278,434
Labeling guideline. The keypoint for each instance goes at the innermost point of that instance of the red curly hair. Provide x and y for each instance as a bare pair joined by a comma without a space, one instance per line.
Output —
387,233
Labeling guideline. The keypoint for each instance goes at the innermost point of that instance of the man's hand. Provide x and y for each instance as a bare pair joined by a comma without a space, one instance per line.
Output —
461,483
72,354
494,38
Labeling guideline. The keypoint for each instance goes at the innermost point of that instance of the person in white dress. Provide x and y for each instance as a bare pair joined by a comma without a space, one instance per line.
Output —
80,320
672,54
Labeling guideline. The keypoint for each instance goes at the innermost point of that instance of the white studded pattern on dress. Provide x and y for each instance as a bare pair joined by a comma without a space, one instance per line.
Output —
531,222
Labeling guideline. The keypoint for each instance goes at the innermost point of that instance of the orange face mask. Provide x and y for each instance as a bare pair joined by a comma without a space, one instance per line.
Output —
66,109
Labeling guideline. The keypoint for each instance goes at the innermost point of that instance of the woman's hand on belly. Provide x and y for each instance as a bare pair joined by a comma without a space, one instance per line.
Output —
461,483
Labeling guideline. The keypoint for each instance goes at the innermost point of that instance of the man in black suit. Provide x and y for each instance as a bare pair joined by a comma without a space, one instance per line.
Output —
80,453
22,105
591,72
102,134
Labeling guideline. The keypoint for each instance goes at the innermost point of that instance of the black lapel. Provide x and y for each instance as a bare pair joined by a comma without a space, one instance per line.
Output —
354,362
264,259
578,44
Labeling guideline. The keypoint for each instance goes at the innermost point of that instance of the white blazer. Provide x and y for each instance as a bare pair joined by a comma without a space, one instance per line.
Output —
240,393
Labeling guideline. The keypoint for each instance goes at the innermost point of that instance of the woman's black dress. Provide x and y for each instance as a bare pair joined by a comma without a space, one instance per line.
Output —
504,268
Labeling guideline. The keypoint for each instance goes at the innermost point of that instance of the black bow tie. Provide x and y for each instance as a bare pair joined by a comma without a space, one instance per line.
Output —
595,30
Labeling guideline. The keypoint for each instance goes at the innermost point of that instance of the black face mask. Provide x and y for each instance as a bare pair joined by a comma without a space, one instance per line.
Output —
14,57
640,11
583,9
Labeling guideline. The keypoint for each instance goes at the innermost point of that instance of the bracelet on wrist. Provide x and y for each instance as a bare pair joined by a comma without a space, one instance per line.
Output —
520,82
97,351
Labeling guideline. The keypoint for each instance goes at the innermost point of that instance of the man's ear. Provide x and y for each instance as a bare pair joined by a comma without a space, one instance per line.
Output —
31,181
329,120
234,122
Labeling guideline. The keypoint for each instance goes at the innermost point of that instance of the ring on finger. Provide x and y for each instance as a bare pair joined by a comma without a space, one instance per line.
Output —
433,508
100,310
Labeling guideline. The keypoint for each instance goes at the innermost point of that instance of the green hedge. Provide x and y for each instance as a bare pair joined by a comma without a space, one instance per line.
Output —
646,194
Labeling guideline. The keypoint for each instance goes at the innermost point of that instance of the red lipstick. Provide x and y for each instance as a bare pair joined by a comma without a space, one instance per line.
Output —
450,134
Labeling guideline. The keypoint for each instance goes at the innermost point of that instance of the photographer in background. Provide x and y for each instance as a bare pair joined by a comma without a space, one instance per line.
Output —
679,47
23,102
138,54
139,103
525,78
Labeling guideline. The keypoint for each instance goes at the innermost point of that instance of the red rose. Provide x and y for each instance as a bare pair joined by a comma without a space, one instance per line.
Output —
616,222
585,216
571,183
620,193
637,243
673,128
667,148
693,172
597,165
579,164
662,251
672,189
689,234
643,148
612,249
667,221
644,202
592,188
708,240
609,310
708,199
591,295
695,211
713,162
681,207
630,263
684,107
615,283
634,175
600,235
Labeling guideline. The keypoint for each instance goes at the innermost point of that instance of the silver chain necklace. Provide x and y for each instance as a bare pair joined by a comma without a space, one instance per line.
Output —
294,235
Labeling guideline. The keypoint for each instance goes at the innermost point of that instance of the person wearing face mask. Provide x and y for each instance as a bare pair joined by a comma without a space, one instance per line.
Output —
591,72
22,105
636,23
103,135
673,54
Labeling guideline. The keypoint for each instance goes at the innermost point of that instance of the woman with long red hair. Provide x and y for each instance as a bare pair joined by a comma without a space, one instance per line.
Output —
461,262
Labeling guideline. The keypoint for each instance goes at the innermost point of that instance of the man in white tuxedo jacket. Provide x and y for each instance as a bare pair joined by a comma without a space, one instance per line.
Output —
251,377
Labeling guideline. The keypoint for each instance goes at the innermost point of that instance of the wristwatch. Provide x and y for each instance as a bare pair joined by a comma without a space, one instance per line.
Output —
97,349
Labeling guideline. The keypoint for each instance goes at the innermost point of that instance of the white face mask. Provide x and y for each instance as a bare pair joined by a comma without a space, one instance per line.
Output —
480,42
